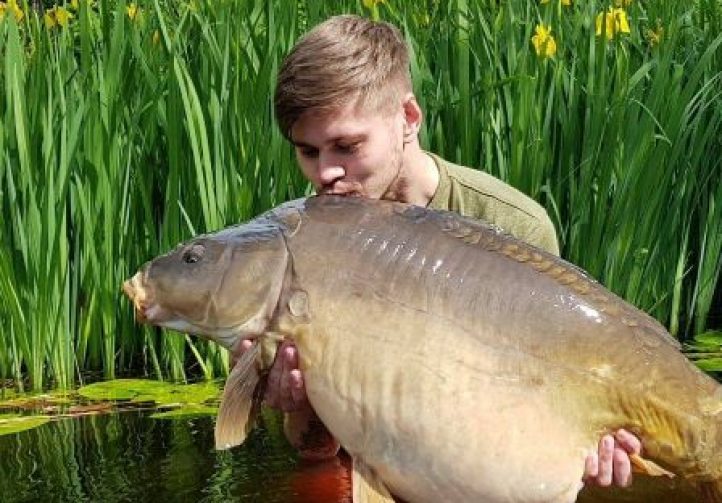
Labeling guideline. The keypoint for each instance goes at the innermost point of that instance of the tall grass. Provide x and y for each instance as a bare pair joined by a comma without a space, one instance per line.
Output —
129,130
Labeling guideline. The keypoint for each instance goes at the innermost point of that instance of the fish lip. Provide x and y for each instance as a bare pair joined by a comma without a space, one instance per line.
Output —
146,310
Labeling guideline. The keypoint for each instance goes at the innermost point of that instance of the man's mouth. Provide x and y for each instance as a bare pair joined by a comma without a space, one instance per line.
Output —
347,193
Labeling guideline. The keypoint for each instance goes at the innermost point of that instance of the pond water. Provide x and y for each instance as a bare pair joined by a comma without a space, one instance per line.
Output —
129,456
108,442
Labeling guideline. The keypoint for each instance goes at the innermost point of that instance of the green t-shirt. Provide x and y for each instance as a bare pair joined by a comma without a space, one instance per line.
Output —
476,194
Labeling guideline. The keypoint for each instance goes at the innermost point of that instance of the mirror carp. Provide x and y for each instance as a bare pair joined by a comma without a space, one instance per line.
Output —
451,361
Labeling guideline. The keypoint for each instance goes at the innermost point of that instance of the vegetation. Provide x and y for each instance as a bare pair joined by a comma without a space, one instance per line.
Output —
126,128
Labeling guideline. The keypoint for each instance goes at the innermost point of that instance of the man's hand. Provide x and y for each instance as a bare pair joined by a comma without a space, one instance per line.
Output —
285,389
611,463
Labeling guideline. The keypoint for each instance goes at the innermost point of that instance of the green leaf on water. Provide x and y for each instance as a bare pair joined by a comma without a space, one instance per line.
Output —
14,423
197,393
188,412
138,390
710,364
182,394
712,338
36,401
145,390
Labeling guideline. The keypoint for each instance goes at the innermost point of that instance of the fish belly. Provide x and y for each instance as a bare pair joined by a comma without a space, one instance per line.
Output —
440,415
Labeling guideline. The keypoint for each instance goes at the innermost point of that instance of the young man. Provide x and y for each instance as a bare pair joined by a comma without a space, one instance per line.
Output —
345,101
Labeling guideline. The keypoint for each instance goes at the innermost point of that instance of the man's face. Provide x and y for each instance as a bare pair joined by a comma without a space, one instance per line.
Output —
351,151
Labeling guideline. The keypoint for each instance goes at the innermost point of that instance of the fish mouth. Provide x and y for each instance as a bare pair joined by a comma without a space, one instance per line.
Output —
145,308
148,311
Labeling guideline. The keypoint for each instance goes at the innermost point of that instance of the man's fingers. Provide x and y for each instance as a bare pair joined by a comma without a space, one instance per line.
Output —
290,359
273,388
622,468
591,466
287,360
298,390
606,455
628,442
285,389
242,348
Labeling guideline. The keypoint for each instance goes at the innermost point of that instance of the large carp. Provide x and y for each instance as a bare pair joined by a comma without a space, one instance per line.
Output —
453,362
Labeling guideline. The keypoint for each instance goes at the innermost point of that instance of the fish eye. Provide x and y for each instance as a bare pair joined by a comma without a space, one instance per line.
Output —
194,254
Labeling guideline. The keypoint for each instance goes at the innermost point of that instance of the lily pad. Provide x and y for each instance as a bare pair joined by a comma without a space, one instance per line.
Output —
710,364
125,389
146,390
179,394
188,412
13,423
712,338
29,401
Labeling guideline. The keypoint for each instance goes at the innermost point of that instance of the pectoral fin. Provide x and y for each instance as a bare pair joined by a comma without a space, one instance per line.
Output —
367,486
648,467
242,396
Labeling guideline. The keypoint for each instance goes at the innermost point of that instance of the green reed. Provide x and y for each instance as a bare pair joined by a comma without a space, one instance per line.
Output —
134,127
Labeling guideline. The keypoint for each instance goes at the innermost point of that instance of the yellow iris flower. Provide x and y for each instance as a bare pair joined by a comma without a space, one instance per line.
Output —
57,16
622,3
543,41
12,6
611,22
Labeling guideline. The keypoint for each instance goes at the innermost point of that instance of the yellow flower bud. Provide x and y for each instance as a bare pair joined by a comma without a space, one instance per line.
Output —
133,11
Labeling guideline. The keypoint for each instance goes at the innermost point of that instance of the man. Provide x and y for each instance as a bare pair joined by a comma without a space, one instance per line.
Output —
344,99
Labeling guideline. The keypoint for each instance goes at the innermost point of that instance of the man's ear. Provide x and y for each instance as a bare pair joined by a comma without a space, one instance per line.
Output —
412,117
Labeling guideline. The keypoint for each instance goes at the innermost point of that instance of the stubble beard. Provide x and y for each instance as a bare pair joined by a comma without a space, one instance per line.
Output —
398,185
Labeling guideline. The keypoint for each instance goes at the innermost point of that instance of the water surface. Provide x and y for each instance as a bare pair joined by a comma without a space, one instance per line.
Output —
130,457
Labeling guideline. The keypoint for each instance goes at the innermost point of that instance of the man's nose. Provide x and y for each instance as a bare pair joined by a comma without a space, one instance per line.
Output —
329,170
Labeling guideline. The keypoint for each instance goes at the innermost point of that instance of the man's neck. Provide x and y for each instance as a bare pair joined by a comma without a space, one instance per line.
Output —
419,176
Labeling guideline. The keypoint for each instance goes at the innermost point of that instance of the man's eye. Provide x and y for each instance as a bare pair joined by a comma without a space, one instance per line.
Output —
309,152
350,148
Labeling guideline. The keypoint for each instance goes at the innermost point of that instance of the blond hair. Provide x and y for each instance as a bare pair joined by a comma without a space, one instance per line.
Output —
343,58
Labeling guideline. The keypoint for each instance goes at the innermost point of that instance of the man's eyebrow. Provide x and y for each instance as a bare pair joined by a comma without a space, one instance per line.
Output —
337,139
348,138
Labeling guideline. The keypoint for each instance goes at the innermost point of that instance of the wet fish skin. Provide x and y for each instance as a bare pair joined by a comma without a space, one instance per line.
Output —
455,361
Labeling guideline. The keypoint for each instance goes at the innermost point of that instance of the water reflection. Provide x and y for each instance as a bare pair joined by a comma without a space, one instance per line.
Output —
131,457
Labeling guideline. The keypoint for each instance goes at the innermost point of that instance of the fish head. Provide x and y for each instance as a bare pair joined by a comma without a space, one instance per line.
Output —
222,286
